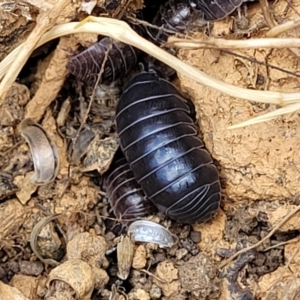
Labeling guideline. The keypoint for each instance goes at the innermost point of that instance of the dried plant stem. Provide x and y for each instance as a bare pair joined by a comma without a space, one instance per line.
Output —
269,116
266,12
227,261
272,24
214,43
296,240
44,22
83,122
121,31
279,29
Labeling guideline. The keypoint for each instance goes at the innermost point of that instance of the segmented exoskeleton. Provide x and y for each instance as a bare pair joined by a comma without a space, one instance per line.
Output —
217,9
159,139
87,65
125,195
177,16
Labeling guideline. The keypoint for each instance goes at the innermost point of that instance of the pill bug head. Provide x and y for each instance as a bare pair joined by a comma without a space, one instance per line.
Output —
177,16
126,197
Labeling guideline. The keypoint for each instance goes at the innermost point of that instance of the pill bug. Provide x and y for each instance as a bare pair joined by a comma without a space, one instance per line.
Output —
159,140
217,9
126,197
173,17
178,16
87,65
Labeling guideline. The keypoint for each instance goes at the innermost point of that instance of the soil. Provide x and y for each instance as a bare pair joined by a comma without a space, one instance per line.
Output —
57,240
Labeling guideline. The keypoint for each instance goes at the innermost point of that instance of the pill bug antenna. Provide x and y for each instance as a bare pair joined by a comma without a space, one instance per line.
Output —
147,68
142,67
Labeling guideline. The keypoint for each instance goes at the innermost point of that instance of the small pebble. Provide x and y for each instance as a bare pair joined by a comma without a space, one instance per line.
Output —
195,236
180,253
190,246
155,292
184,233
2,273
140,257
33,268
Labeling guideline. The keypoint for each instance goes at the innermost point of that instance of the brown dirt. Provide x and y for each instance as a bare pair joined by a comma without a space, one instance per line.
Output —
258,165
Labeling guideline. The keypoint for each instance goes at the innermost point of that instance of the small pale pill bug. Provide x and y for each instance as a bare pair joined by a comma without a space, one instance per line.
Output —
149,232
44,152
159,140
87,65
125,195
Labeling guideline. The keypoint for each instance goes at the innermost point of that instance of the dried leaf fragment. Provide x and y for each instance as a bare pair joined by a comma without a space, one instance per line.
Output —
100,154
13,215
125,250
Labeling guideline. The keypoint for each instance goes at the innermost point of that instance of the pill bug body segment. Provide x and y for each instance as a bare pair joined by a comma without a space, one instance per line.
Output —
125,195
180,15
86,66
173,17
218,9
159,140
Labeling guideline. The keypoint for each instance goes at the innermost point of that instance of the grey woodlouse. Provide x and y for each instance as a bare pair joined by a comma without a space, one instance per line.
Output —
86,65
174,16
178,15
159,139
217,9
125,195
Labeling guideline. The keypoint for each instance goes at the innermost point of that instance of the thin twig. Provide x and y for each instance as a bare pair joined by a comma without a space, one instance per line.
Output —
279,277
282,28
282,244
266,13
227,261
151,274
93,95
272,24
263,63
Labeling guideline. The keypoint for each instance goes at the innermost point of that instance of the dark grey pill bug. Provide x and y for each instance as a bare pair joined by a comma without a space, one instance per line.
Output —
86,66
159,139
125,195
217,9
179,16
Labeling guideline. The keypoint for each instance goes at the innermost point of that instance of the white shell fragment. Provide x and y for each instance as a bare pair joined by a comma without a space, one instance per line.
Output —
150,232
43,150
